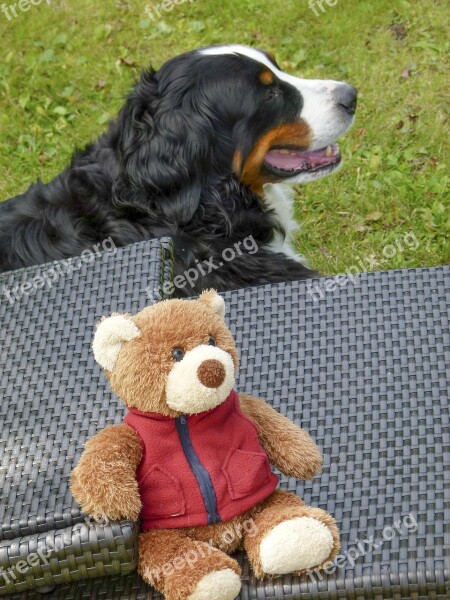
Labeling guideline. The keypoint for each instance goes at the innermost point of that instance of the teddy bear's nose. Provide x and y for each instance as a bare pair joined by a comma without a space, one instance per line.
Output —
211,373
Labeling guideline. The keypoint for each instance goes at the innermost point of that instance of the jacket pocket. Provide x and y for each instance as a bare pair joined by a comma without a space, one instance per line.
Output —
161,494
246,472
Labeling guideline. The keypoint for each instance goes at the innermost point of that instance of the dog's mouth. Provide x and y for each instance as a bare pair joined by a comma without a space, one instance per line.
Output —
290,162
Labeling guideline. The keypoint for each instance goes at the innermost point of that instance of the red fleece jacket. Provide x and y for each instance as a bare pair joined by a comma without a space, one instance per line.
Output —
199,469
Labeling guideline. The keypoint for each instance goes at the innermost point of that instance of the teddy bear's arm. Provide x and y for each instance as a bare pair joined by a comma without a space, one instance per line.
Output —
104,481
289,448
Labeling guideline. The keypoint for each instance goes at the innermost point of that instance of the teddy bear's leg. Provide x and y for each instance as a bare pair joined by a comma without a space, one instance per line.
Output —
290,536
182,568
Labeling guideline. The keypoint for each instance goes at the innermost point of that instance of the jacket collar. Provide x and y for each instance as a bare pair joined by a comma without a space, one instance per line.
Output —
159,417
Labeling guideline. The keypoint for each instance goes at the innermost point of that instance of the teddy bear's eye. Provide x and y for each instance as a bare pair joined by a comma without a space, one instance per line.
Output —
211,341
178,354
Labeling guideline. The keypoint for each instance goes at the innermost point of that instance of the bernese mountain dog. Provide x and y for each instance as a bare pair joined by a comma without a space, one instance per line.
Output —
204,151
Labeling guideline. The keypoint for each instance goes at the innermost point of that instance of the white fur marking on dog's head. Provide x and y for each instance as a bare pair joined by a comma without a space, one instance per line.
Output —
319,109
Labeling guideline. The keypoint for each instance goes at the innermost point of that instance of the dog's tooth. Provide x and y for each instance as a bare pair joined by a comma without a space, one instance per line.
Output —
328,151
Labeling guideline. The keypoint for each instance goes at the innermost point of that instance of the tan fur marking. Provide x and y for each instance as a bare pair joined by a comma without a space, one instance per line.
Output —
289,134
289,448
237,162
267,77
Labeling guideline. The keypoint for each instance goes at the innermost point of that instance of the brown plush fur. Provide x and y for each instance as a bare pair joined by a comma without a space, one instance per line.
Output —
289,448
167,547
283,506
139,377
162,561
104,482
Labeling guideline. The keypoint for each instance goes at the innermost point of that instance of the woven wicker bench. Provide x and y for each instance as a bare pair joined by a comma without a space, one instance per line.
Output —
363,367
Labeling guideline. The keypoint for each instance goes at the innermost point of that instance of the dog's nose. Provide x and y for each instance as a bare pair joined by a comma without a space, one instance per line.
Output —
346,97
211,373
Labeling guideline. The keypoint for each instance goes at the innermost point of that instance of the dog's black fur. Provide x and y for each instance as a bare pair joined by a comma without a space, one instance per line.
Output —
164,168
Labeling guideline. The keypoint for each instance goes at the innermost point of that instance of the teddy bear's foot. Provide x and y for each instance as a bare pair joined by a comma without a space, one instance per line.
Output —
295,545
291,537
185,569
220,585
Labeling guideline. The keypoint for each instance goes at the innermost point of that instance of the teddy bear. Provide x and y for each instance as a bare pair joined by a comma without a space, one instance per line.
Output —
192,457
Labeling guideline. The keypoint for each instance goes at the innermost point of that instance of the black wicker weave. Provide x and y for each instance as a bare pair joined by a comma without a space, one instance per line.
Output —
52,398
363,368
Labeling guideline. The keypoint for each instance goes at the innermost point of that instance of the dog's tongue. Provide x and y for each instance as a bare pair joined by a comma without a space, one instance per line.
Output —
295,160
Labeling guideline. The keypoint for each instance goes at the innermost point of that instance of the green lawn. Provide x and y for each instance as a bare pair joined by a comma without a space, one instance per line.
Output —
67,65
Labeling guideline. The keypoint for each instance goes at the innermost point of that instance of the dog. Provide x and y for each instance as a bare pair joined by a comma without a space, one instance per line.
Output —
205,150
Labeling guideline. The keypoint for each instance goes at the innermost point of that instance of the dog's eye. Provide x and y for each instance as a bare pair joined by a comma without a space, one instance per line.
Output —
211,341
178,354
272,93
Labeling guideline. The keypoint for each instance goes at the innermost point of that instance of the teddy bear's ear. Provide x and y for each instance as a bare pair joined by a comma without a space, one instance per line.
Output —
212,299
109,338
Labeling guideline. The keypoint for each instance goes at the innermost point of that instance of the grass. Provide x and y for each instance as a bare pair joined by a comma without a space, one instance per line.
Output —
66,67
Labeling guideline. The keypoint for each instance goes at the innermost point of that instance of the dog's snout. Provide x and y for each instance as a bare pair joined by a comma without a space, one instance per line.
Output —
346,96
211,373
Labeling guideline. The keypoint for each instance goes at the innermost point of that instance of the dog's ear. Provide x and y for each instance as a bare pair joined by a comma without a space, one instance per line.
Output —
164,136
137,129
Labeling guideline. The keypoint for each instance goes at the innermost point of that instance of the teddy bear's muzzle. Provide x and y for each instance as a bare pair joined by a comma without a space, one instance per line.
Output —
202,380
211,373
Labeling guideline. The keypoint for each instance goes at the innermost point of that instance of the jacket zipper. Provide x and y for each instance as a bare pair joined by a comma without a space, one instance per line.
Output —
199,471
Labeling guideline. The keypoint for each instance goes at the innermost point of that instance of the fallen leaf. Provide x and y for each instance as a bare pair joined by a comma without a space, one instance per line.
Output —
413,117
400,124
417,164
398,30
101,84
324,251
434,161
359,227
47,55
43,157
375,161
375,216
299,57
61,110
361,131
128,62
197,26
60,40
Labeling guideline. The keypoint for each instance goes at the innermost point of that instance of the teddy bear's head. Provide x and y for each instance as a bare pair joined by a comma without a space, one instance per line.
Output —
175,357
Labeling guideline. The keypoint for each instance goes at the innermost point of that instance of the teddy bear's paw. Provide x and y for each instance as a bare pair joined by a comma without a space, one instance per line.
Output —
295,545
220,585
113,509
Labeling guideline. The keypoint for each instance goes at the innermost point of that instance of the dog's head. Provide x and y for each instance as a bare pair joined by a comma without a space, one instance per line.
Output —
232,110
